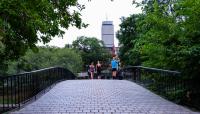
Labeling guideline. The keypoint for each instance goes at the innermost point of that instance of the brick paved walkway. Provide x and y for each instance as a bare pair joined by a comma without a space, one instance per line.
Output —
101,97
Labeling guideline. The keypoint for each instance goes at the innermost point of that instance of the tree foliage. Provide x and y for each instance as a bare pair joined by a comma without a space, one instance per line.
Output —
127,36
91,49
47,57
168,37
25,22
172,40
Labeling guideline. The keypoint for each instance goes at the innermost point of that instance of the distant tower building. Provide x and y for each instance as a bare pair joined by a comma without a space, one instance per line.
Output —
107,33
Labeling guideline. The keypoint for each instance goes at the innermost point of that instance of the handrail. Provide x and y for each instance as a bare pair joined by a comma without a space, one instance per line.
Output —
23,73
16,90
153,69
169,84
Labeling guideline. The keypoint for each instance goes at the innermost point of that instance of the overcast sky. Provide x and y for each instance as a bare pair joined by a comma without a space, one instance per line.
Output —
95,12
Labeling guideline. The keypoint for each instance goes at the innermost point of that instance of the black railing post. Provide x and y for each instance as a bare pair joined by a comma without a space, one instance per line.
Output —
3,94
18,89
15,94
11,96
138,74
164,82
7,94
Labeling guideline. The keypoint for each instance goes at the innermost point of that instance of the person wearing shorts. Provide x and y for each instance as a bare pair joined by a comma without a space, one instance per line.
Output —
114,65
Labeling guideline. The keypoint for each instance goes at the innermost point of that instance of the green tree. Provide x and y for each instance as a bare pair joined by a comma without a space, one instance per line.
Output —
188,12
128,36
68,58
160,31
47,57
25,22
171,40
168,37
91,49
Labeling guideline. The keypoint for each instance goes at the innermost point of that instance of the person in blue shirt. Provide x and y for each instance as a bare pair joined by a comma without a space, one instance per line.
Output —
114,65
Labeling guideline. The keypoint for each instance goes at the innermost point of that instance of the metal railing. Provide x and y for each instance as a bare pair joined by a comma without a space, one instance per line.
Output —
18,89
106,74
169,84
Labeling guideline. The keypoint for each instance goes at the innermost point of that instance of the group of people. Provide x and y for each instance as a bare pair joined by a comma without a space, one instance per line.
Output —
92,69
98,68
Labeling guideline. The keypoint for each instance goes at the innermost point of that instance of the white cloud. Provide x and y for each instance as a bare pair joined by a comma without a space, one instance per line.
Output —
95,12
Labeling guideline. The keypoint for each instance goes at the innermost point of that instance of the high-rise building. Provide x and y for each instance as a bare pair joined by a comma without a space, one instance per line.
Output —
107,36
107,33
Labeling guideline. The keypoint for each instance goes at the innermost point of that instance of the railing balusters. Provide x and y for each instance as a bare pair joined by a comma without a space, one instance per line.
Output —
23,87
26,88
16,90
3,94
20,90
169,84
7,94
11,92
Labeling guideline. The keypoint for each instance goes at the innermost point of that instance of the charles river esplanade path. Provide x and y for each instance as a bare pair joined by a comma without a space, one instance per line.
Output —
101,97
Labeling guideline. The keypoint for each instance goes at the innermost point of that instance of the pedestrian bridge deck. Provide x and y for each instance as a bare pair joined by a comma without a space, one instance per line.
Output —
101,97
